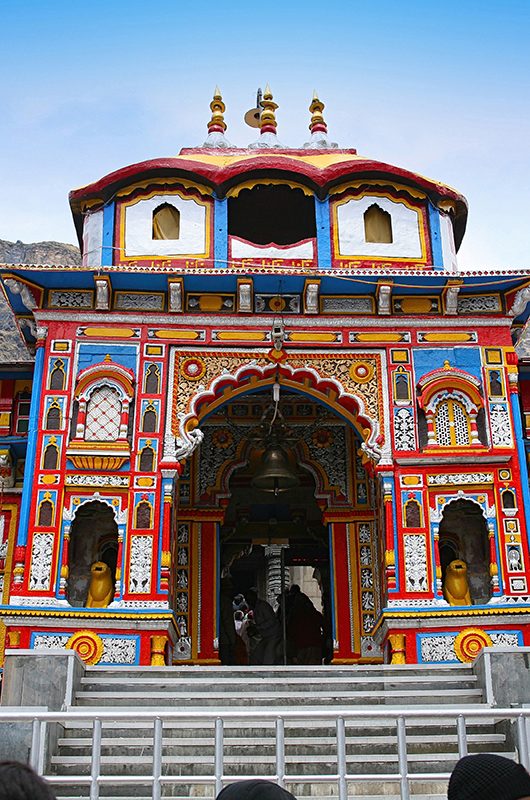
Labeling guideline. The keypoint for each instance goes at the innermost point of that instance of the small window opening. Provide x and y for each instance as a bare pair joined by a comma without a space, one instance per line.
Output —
508,499
45,513
272,214
143,515
166,222
495,384
57,376
412,514
377,225
53,418
149,420
22,413
51,457
402,386
152,379
147,460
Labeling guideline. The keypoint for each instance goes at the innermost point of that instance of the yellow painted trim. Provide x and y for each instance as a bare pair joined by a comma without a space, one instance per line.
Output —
313,337
400,187
115,333
245,336
447,336
392,259
38,612
165,334
378,337
264,181
121,208
207,191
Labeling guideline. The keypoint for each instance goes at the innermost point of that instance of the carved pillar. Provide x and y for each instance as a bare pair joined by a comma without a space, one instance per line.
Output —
167,507
390,555
437,564
397,647
273,553
158,647
119,558
64,562
494,567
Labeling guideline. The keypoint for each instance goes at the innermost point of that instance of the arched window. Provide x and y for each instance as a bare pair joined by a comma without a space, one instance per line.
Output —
103,415
452,424
51,457
401,386
166,222
152,379
412,514
377,225
58,377
508,499
45,517
54,417
147,460
495,383
143,514
149,420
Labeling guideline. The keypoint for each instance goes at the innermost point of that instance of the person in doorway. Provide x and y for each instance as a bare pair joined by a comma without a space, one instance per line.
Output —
486,776
20,782
265,633
254,790
227,628
304,628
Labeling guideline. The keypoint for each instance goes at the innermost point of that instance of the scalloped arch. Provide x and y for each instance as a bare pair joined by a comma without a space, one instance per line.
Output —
305,380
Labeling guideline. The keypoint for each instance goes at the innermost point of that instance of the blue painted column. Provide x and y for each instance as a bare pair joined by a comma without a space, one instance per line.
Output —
436,237
220,233
31,451
323,233
107,251
521,453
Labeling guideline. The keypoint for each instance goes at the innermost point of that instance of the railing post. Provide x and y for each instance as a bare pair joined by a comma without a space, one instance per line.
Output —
34,754
157,758
402,757
96,760
462,735
280,751
522,742
218,758
341,758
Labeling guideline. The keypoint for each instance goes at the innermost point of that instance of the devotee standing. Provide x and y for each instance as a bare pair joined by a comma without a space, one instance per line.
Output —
266,643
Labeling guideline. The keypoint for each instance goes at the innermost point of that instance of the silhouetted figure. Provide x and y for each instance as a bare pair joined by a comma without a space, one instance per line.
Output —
227,628
20,782
304,628
265,634
486,776
254,790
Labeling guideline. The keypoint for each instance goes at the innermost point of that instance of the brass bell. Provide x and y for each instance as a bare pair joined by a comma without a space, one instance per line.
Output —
274,473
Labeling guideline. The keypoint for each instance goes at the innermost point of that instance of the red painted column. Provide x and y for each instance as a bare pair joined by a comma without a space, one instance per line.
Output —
342,593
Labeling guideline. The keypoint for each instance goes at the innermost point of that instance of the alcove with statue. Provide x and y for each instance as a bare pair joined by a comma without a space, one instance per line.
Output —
93,540
464,538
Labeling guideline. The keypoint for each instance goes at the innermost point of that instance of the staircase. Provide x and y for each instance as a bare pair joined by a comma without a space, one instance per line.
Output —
249,746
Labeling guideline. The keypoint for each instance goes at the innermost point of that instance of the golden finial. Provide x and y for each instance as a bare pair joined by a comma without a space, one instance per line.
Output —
107,358
217,123
317,120
268,117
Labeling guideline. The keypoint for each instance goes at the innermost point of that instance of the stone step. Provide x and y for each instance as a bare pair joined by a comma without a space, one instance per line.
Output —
218,671
260,683
184,698
359,762
206,742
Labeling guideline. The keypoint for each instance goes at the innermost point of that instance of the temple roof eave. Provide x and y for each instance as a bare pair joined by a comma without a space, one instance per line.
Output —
320,171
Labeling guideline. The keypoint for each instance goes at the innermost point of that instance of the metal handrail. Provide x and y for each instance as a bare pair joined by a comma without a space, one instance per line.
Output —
399,717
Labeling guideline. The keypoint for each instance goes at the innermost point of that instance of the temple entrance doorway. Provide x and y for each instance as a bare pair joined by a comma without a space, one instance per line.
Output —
278,509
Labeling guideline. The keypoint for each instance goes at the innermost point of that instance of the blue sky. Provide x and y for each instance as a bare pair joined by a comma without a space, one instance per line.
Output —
439,88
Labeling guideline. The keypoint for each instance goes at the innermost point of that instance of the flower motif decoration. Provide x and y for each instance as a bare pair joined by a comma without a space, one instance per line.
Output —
193,369
322,438
362,371
87,644
470,642
222,438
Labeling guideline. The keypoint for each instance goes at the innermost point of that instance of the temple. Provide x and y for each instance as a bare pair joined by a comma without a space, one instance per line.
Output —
268,370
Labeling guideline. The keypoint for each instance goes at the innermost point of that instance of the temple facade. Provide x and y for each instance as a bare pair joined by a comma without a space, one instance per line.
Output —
268,370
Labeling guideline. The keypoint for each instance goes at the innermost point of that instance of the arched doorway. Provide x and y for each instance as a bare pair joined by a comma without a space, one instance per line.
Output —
93,537
464,536
320,534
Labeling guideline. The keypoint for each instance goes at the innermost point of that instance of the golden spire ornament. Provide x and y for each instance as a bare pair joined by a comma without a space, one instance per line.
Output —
217,125
318,127
268,117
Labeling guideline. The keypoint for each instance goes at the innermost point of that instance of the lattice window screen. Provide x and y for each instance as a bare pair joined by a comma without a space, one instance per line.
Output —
103,415
461,425
443,429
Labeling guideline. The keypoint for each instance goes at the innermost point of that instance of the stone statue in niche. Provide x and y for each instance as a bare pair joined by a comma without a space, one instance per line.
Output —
93,538
101,588
456,587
